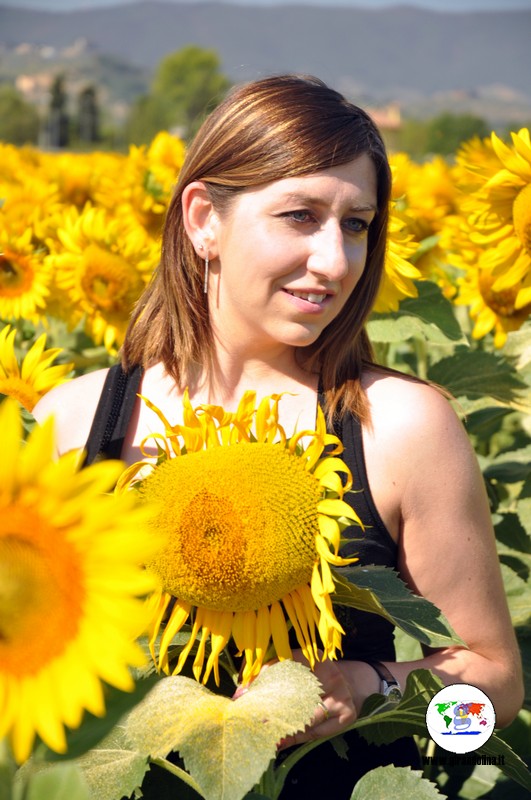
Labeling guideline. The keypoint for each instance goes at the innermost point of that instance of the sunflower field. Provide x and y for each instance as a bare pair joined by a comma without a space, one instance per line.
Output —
79,240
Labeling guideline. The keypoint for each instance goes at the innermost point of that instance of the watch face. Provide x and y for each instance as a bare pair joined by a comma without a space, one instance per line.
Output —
393,694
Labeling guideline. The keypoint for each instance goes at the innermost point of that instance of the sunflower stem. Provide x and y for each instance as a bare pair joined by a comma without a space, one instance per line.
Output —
421,354
267,785
7,772
281,772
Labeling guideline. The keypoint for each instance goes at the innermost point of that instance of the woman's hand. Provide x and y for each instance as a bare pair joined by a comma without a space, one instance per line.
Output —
345,684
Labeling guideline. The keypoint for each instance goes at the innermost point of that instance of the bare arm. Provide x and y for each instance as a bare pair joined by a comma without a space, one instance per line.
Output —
419,451
72,405
448,555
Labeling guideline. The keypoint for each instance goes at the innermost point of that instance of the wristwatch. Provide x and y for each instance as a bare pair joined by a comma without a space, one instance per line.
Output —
390,687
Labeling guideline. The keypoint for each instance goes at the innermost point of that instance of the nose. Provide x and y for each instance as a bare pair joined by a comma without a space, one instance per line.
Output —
329,257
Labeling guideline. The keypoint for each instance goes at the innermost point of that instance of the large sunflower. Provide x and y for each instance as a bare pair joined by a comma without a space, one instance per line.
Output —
501,220
29,381
103,264
71,583
253,522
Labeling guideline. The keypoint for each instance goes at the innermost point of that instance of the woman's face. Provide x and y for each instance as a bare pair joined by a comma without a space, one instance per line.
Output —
288,255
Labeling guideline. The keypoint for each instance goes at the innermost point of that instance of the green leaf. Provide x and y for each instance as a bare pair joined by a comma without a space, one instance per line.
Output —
518,346
389,722
513,544
390,329
407,648
54,782
524,513
475,373
383,783
510,531
524,505
524,642
518,733
512,765
518,593
94,729
181,714
471,785
379,590
113,770
486,422
430,316
511,466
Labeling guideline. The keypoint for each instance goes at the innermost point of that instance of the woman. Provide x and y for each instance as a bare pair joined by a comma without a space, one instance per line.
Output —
272,255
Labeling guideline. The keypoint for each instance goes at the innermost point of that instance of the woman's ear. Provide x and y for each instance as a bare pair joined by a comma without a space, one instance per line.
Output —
198,218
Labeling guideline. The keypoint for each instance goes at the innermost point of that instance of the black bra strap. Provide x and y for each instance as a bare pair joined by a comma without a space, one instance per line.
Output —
113,414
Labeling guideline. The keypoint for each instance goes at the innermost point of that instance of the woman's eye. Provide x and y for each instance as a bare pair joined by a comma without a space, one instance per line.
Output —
356,225
300,215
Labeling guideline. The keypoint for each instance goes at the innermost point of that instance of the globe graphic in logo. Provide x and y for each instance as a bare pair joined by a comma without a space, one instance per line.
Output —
460,718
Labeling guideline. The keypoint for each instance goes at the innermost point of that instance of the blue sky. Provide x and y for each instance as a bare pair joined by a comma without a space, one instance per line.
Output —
434,5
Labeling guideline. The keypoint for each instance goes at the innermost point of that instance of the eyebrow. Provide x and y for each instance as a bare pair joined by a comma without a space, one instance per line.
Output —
303,199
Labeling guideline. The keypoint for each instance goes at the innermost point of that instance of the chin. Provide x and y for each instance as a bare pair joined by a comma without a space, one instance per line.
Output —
304,341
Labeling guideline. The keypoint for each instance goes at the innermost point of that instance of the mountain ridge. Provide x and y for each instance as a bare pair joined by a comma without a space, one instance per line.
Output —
399,53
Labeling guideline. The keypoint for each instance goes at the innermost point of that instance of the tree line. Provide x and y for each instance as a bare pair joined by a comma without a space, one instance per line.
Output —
185,87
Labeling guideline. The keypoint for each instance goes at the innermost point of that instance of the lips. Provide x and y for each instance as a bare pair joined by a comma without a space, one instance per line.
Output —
311,297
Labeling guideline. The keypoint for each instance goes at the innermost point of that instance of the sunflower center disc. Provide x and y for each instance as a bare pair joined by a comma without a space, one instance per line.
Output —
241,522
14,274
108,281
502,303
39,597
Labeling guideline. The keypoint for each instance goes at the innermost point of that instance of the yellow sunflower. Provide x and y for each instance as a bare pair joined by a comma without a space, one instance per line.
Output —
253,522
18,163
24,280
71,586
135,192
29,381
34,205
397,282
492,311
475,162
102,264
502,219
425,195
77,175
165,158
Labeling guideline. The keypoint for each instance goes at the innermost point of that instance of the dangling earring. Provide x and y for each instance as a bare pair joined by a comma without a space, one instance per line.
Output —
205,283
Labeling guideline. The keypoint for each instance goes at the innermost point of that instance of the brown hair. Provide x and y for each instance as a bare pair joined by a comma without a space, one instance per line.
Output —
273,128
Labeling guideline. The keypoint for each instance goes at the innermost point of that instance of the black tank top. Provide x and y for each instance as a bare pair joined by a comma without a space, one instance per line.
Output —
367,636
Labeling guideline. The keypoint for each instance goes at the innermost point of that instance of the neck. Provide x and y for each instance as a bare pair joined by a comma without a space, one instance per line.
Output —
236,371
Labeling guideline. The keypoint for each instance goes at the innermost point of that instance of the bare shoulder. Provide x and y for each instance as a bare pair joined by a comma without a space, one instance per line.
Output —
416,446
405,408
72,405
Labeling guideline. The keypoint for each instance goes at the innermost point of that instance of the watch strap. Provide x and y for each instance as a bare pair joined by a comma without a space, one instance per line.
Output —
390,686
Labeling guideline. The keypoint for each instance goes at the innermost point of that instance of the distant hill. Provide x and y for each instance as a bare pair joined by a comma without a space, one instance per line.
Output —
419,58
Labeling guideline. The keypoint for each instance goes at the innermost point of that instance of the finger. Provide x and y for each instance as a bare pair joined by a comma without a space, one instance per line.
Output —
312,731
322,711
